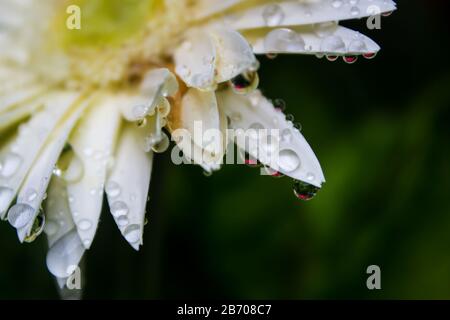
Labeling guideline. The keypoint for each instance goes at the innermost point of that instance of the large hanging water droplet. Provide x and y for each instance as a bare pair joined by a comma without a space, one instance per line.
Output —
245,83
10,164
65,254
350,59
36,229
305,191
288,160
20,215
273,15
370,55
132,233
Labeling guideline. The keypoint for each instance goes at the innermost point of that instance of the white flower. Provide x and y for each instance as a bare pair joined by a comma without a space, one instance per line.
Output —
82,110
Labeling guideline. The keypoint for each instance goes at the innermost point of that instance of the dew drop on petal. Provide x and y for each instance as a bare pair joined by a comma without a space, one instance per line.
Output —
10,164
132,233
288,160
66,252
162,145
84,224
350,59
36,229
245,83
284,40
113,189
122,221
273,15
31,195
305,191
370,55
20,215
119,208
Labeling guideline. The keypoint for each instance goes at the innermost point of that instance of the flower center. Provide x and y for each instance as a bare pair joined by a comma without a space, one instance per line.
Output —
109,22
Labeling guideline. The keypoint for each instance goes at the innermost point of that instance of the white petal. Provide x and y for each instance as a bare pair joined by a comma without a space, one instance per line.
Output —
16,114
34,187
234,54
14,98
195,60
306,40
65,245
295,157
199,113
128,184
65,254
58,217
292,13
93,142
156,85
32,137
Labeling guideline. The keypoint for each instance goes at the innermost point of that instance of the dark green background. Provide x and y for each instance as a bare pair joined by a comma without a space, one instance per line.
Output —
381,131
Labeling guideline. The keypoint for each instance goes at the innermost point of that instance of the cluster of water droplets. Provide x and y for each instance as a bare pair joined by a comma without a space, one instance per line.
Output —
120,211
288,159
283,39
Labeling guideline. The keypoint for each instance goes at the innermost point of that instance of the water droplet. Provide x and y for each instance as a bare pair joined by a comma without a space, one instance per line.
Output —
310,176
69,168
10,164
36,229
354,11
273,15
305,191
112,189
162,145
350,59
84,225
139,111
122,221
325,29
119,208
20,215
286,135
370,55
66,252
332,58
337,4
132,233
284,40
31,195
279,104
288,160
245,82
357,46
332,44
273,173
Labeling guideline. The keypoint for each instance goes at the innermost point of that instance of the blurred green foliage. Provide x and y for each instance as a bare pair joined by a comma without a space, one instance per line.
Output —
381,131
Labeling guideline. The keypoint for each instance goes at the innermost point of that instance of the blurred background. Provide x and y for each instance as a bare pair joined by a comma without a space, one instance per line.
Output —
381,131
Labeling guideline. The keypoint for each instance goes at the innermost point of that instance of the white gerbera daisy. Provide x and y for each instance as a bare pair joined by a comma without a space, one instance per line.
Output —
87,86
